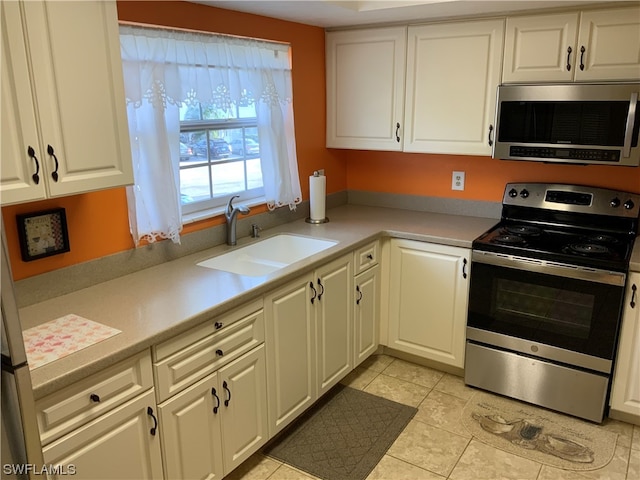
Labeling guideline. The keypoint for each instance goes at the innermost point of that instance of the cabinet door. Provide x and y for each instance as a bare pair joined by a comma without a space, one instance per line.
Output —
74,50
428,300
611,41
190,428
333,321
291,355
453,71
625,394
366,314
540,48
365,88
243,390
18,116
117,445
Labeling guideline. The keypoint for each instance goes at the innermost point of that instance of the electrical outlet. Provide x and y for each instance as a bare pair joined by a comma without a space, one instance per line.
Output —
457,181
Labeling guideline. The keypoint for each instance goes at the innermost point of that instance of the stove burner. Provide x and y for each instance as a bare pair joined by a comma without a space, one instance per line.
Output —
588,249
523,230
507,239
602,238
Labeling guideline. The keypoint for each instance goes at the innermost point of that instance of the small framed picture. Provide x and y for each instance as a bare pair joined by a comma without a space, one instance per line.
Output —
43,234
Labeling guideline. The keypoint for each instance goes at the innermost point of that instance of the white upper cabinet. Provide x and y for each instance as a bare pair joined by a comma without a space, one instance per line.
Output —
596,45
365,88
63,90
453,71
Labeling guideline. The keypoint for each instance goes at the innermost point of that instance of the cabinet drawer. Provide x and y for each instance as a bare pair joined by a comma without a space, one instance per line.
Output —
65,410
366,257
193,362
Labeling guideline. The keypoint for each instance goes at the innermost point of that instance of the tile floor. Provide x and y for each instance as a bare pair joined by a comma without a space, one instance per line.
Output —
436,446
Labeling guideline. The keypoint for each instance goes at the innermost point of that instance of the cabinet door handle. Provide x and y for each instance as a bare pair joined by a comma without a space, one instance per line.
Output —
155,421
315,293
569,50
32,154
369,256
464,268
359,293
51,153
94,398
582,50
218,325
634,291
215,395
398,132
490,137
226,389
322,292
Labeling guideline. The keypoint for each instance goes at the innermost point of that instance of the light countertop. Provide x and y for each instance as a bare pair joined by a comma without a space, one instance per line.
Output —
157,303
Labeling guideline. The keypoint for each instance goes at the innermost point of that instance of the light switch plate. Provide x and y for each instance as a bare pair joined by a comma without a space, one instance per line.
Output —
457,181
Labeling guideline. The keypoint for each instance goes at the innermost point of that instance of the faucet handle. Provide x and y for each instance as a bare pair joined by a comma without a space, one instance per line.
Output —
255,230
229,208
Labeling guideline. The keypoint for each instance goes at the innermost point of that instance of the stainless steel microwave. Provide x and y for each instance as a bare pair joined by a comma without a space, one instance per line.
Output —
572,123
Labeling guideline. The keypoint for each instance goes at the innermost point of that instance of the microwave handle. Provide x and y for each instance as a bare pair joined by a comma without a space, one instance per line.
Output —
631,117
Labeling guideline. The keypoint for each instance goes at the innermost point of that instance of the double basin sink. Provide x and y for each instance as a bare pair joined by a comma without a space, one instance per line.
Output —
268,255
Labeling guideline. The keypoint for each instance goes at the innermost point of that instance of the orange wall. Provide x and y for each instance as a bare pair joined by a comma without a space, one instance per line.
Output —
98,222
485,178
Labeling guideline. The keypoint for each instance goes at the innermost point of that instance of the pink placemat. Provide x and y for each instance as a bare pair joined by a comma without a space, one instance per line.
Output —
61,337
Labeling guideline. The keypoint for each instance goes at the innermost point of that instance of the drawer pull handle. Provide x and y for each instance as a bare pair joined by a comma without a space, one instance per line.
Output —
219,353
359,293
218,325
226,388
32,154
215,395
94,397
51,153
155,421
322,292
315,293
634,291
464,268
369,256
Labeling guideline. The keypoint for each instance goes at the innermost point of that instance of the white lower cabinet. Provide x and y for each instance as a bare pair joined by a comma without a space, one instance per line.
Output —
213,426
104,426
309,339
122,443
428,299
625,394
366,309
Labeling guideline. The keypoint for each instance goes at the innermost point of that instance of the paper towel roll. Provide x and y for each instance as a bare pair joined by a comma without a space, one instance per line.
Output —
317,196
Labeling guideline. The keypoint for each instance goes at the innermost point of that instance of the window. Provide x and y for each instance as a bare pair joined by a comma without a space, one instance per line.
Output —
219,155
210,116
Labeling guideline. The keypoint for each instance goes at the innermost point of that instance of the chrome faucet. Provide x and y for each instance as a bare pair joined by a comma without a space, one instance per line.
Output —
231,214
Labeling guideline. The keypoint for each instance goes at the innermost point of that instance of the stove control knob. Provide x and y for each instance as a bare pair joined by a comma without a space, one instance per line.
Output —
615,202
524,193
513,193
629,204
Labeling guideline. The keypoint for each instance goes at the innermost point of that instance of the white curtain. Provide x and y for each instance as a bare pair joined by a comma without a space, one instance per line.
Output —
164,69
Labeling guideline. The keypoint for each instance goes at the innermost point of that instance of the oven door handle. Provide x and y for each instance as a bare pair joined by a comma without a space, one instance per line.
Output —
550,268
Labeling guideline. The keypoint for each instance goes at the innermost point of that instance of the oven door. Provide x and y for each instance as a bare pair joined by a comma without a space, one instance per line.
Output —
560,313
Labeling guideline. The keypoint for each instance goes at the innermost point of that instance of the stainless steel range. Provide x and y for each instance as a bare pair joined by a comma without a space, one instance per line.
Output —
546,296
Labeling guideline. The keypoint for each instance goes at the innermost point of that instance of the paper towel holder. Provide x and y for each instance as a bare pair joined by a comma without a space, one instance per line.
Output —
316,222
312,220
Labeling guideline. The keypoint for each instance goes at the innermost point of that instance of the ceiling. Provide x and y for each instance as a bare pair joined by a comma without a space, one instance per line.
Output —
341,13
